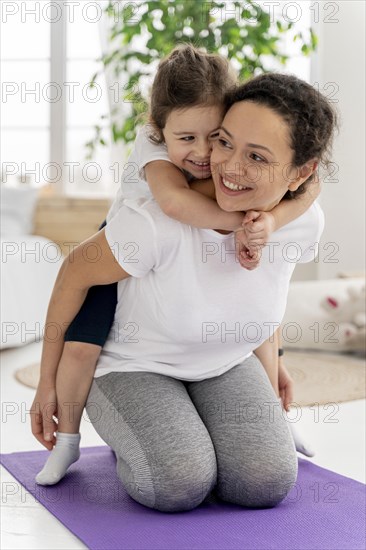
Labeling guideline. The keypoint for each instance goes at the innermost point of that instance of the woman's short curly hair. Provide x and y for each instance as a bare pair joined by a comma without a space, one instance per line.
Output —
311,118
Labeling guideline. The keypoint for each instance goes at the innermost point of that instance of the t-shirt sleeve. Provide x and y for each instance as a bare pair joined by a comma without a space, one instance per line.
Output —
300,238
147,151
132,239
316,222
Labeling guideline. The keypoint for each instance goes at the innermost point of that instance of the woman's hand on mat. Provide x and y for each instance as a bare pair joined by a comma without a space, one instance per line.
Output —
44,408
285,385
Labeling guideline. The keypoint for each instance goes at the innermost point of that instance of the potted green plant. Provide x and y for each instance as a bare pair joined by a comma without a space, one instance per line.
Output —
140,33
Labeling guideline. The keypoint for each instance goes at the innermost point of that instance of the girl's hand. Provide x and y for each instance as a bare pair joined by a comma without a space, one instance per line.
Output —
43,409
285,385
248,257
258,227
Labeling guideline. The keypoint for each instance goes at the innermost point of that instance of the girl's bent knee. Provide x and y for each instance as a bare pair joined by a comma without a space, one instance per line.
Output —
81,351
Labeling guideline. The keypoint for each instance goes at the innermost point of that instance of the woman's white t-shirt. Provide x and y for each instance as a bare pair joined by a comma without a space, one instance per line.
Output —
189,310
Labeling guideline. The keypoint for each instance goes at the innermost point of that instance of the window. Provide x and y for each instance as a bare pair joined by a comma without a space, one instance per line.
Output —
84,104
299,14
48,110
25,116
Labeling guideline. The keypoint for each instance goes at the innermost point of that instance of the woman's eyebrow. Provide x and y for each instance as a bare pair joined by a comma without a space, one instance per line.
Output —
256,146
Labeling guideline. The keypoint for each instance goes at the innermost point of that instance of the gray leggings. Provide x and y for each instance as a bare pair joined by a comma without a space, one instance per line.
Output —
179,443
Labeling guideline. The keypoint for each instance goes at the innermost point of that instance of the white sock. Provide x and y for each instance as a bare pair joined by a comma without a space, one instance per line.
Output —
65,452
301,446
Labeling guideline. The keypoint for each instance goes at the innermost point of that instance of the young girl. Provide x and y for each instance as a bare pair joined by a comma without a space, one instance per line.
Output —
171,154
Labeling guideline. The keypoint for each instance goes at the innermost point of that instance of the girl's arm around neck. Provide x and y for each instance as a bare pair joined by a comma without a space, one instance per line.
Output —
185,204
79,271
288,210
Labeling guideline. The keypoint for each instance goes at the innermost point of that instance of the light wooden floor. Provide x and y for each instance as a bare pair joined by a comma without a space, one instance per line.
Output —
340,447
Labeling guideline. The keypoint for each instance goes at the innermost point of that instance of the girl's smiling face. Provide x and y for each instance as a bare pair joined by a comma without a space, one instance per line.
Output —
251,161
189,134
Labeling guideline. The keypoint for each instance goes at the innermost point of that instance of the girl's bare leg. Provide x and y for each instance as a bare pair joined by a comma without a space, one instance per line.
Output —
74,378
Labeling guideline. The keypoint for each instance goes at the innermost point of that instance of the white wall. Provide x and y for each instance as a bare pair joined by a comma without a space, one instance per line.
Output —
341,60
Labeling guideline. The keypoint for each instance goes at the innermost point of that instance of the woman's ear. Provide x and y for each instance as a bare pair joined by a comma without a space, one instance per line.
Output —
304,172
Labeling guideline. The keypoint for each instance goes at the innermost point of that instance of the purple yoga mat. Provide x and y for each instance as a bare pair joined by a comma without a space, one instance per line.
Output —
324,510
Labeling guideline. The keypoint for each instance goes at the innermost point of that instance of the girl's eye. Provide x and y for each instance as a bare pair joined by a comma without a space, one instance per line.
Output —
257,158
187,138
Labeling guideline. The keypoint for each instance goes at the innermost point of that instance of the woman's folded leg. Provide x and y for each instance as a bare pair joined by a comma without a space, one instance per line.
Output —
165,456
256,458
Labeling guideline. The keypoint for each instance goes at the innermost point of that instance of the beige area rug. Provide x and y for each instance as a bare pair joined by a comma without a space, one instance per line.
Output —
319,377
28,376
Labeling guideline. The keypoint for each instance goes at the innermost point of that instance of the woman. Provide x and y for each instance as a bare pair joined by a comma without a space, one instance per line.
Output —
178,393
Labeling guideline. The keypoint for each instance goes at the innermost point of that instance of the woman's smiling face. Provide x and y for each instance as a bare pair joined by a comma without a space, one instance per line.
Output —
253,156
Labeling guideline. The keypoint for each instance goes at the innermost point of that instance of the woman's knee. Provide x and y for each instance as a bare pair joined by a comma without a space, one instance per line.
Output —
263,486
185,487
174,486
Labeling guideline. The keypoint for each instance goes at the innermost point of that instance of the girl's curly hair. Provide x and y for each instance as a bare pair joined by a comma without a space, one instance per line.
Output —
187,77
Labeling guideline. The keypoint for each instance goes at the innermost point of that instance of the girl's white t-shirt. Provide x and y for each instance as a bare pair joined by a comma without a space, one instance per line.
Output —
133,182
189,310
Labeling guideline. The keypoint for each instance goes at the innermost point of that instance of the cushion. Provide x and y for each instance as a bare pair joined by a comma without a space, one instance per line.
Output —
307,324
17,208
